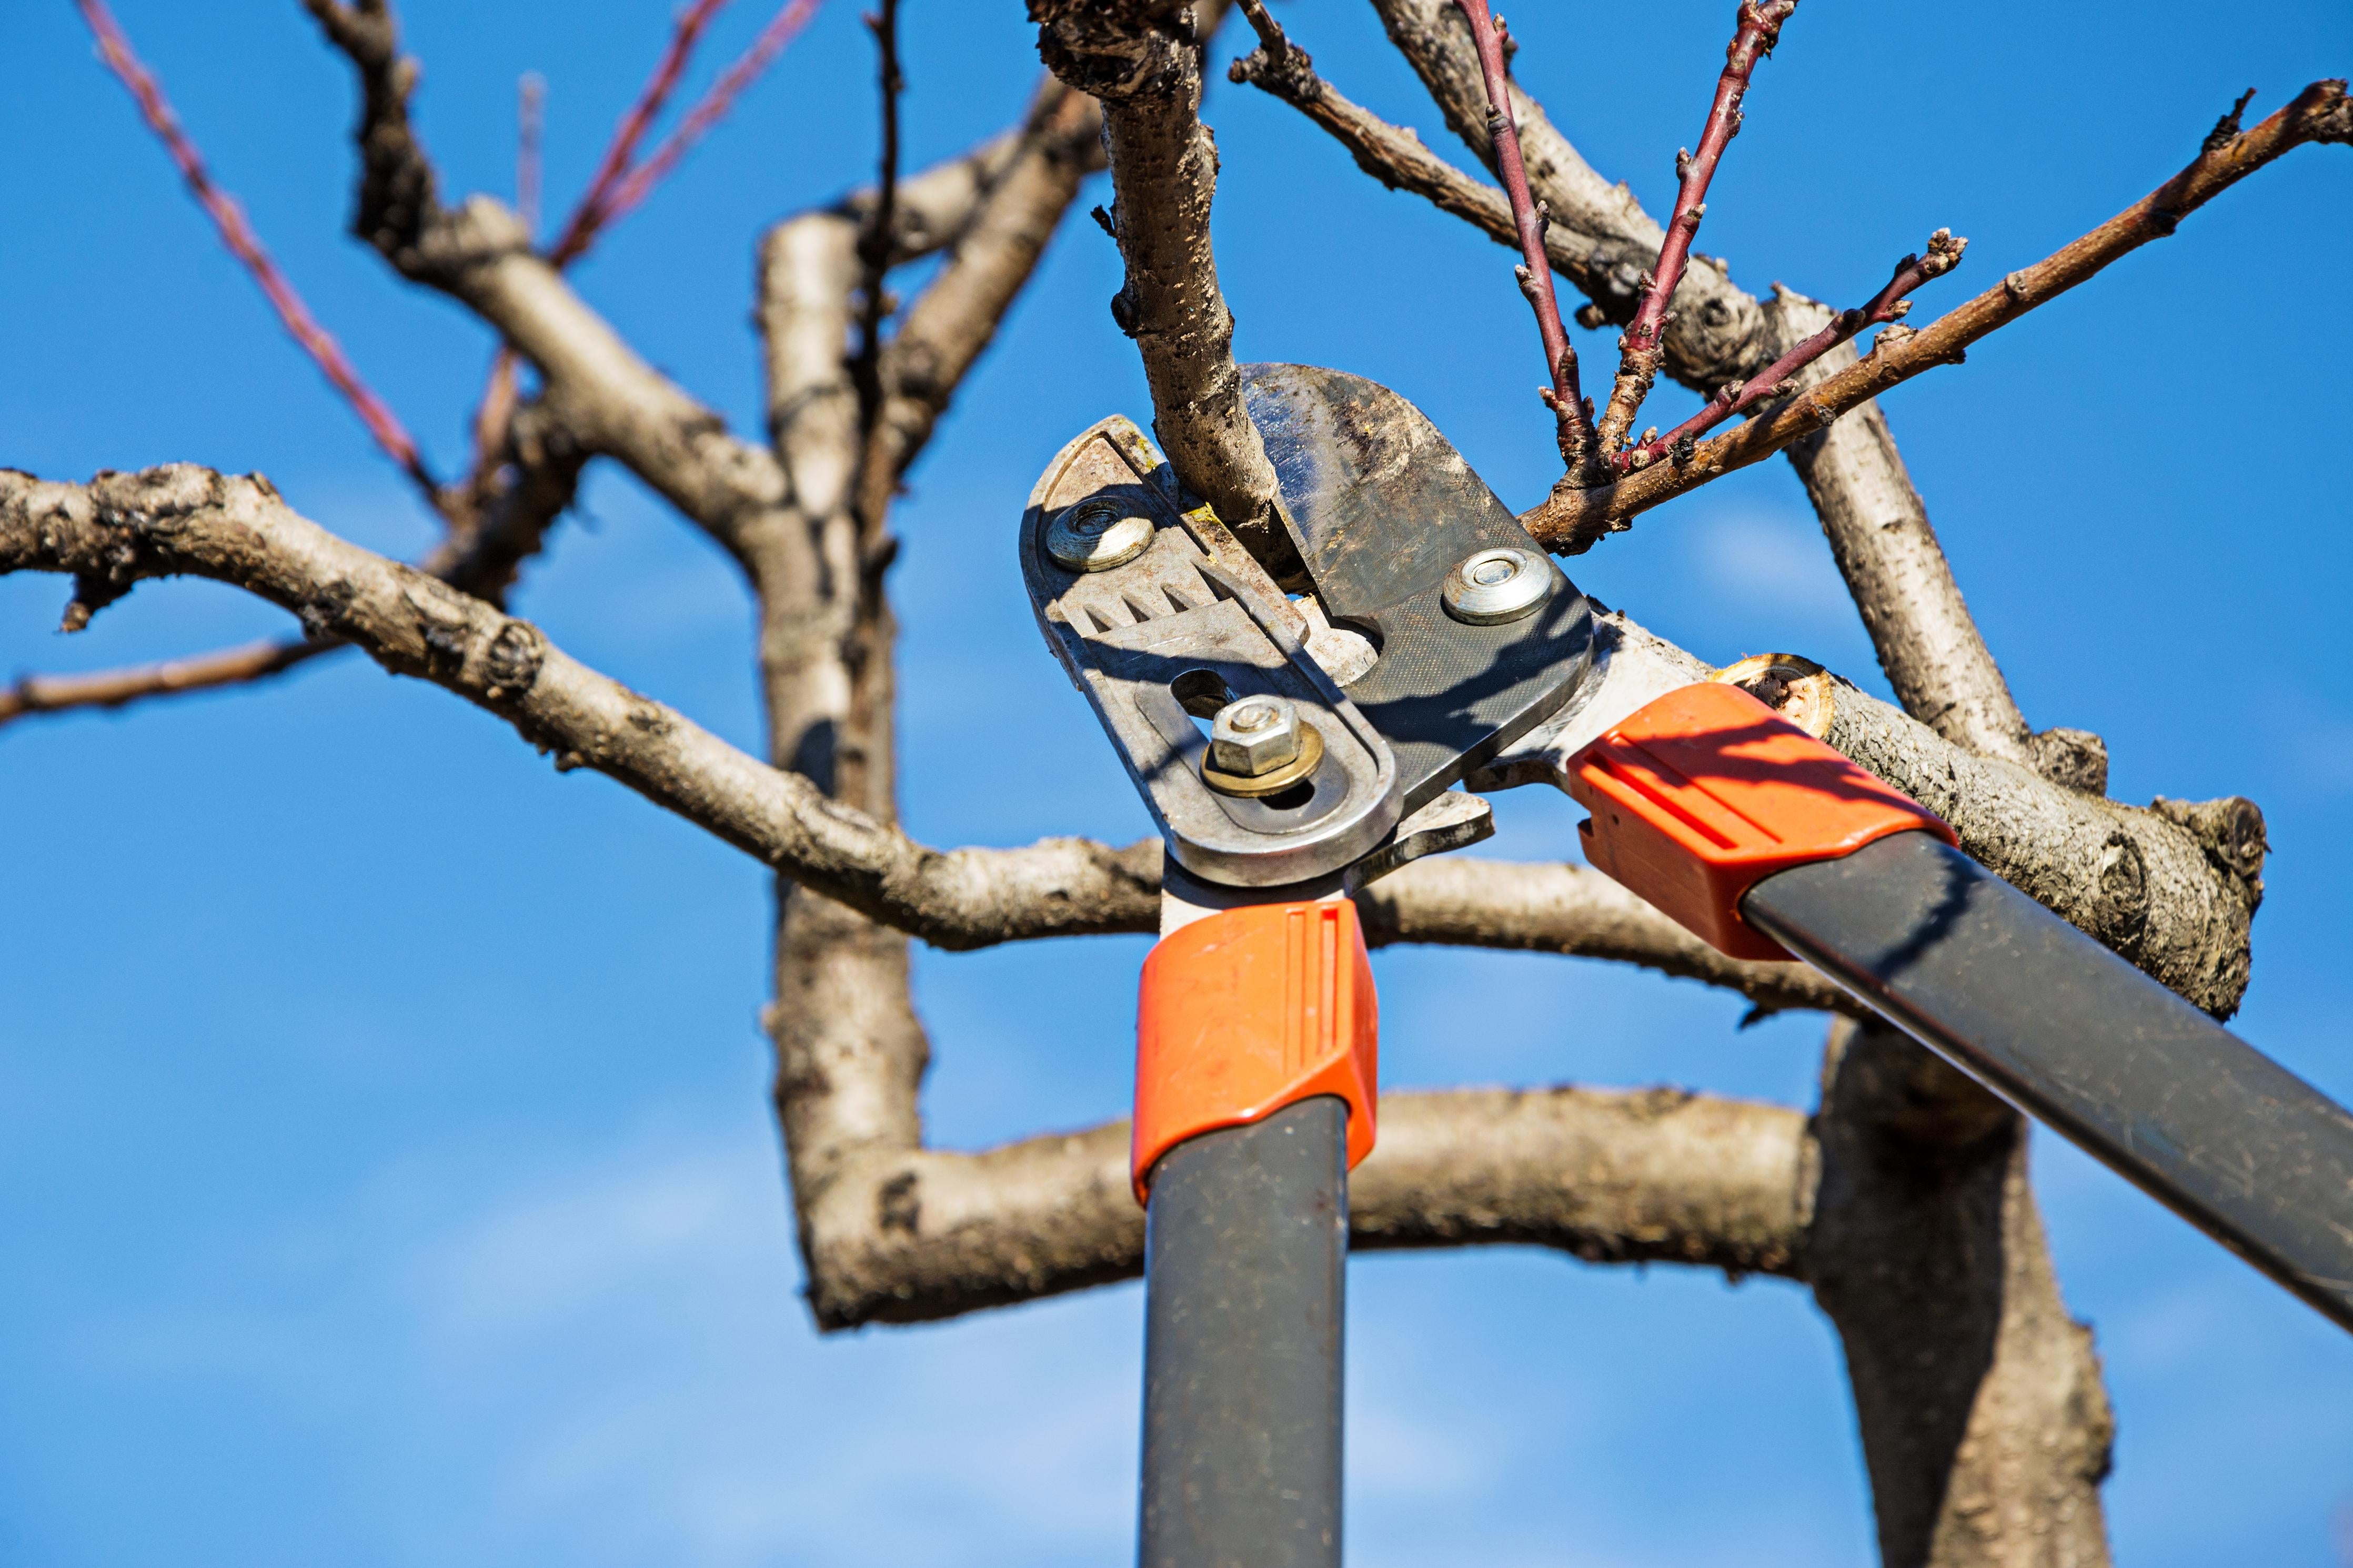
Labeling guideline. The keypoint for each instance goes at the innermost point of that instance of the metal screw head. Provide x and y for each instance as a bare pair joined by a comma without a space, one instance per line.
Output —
1254,735
1097,535
1491,587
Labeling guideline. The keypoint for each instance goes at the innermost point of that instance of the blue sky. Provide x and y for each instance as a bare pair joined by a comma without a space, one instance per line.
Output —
384,1152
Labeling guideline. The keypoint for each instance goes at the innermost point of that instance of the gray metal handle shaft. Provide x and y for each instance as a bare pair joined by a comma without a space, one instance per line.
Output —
1245,1249
2083,1041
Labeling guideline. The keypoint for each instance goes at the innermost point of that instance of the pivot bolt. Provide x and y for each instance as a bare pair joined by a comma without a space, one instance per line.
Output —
1491,586
1097,535
1253,736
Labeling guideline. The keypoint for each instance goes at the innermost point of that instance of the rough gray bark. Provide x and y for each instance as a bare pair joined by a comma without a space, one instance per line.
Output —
1458,901
1142,60
184,520
1984,1423
1902,584
493,524
905,1234
2173,890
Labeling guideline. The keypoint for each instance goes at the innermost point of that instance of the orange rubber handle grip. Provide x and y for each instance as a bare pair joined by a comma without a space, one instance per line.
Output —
1249,1010
1706,792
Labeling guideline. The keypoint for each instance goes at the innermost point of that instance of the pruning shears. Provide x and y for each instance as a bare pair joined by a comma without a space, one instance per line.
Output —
1291,752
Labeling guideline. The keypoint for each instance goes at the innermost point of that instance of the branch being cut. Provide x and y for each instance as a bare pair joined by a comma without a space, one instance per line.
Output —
229,218
1141,59
1580,445
1641,348
1572,521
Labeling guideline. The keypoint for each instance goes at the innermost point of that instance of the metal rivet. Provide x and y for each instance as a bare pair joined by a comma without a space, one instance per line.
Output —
1491,586
1097,535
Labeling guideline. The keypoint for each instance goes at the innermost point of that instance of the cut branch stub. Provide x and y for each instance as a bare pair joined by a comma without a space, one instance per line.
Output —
1142,60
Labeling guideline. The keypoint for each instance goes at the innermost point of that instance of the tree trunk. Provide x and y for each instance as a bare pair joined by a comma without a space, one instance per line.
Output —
1984,1424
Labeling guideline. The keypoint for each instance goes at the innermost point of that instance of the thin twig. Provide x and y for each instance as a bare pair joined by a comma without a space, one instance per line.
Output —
1577,446
229,218
874,254
116,687
531,119
590,214
1572,520
620,187
781,30
1639,351
1890,304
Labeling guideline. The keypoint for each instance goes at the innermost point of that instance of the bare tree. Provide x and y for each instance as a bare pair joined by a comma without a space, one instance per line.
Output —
1901,1199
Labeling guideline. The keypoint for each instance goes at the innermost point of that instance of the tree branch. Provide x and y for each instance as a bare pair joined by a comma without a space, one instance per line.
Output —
229,218
496,521
1141,59
588,214
480,255
910,1235
1573,520
242,666
1454,901
1983,1421
185,520
709,109
1609,241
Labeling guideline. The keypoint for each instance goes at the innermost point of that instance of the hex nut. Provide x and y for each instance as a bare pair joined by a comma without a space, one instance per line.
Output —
1488,587
1097,535
1254,735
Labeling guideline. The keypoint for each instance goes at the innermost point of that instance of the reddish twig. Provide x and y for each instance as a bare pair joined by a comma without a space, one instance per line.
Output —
1577,448
229,218
1890,304
1571,519
1639,352
785,26
590,214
